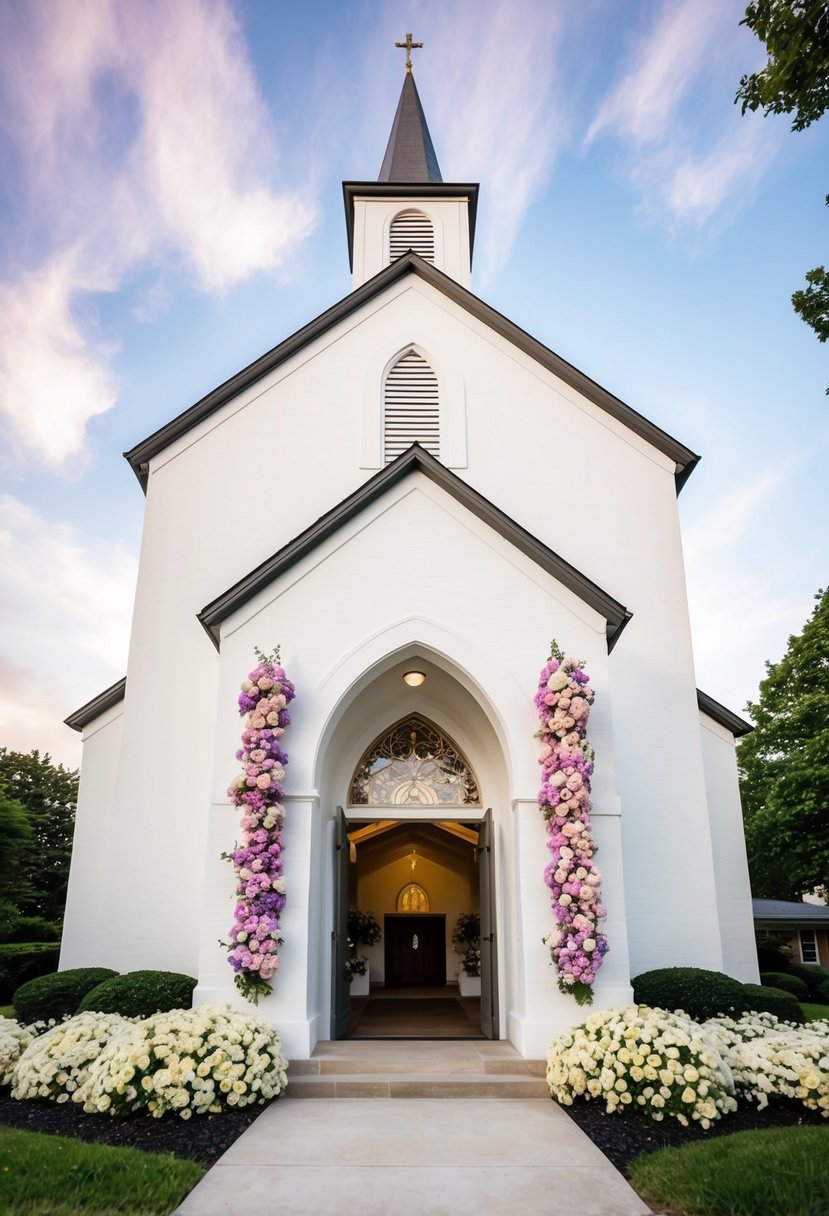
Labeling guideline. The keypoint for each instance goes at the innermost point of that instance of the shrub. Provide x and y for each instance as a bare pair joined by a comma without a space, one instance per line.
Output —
789,983
774,954
57,1063
813,977
642,1061
774,1000
140,994
193,1061
57,995
822,992
14,1039
699,994
22,961
771,1058
29,929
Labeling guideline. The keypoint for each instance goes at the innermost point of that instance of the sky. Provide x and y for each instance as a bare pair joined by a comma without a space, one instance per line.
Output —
171,208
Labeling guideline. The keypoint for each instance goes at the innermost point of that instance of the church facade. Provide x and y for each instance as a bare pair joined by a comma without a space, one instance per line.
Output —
409,484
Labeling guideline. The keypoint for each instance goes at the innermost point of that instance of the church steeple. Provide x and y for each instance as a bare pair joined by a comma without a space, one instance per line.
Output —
410,208
410,155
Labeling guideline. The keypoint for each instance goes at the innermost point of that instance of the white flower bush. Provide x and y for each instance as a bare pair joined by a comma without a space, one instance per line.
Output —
193,1061
642,1060
56,1064
772,1058
14,1039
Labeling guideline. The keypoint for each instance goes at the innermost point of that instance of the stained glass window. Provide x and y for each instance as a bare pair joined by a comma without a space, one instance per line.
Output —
414,764
413,899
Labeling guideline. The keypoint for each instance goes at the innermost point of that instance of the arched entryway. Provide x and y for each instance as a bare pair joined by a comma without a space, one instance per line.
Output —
416,848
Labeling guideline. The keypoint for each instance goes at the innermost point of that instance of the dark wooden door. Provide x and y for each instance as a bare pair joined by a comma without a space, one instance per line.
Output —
489,945
340,992
415,950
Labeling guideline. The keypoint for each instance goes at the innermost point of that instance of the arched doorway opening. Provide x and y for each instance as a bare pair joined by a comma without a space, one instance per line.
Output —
416,859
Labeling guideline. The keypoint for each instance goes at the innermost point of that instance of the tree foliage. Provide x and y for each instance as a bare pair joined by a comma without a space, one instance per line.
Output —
794,81
48,793
784,768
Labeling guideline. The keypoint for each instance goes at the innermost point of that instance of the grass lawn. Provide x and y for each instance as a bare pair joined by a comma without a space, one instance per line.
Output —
44,1175
778,1172
813,1012
6,1011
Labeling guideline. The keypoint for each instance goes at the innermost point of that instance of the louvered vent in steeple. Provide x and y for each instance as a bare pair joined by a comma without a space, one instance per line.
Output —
411,230
411,412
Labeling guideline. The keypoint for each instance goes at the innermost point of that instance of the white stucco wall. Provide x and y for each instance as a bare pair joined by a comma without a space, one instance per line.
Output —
243,483
730,864
93,880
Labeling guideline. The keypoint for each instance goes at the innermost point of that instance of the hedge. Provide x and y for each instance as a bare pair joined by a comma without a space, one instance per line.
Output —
774,1000
140,994
57,995
22,961
698,993
789,983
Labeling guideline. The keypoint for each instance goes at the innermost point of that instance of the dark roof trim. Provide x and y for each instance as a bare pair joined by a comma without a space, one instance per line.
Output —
351,190
790,912
415,460
140,456
726,717
97,706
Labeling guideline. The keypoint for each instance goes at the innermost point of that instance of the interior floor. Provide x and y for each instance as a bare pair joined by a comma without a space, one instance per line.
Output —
415,1013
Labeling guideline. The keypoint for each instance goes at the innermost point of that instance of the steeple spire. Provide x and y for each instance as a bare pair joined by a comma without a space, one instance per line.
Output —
410,155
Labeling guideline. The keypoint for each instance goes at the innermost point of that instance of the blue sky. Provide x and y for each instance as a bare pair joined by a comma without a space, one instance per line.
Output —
171,208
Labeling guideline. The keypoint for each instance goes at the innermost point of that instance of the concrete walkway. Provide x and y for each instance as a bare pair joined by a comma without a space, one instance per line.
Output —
430,1156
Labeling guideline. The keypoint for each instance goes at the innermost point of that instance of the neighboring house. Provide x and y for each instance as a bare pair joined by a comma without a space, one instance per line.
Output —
805,925
410,483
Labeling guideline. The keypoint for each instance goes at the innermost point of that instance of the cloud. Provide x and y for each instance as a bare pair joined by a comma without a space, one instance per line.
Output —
150,144
65,608
686,149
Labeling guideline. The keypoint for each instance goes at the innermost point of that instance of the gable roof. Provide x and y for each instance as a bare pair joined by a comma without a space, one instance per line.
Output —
410,264
726,717
415,460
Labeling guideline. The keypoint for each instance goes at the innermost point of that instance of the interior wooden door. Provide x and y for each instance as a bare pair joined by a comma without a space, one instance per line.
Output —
415,950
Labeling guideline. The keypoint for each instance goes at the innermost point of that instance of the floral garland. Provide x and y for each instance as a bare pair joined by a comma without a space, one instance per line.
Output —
260,888
563,702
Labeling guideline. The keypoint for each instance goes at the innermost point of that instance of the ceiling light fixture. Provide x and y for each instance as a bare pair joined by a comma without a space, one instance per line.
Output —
414,678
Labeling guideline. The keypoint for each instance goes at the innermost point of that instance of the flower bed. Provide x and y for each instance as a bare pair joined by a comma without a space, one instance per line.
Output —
639,1060
193,1061
14,1039
646,1060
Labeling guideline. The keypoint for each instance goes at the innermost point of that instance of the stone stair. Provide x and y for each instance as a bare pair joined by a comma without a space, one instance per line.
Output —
421,1069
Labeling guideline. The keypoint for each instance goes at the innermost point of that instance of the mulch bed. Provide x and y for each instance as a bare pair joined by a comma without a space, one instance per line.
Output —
204,1138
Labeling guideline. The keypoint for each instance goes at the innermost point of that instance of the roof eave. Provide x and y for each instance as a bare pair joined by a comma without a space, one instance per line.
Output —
724,716
98,705
414,459
684,459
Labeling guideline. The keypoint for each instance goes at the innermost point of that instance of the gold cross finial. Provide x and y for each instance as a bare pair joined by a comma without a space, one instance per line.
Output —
408,46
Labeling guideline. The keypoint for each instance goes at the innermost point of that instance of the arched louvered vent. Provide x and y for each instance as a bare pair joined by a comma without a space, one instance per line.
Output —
411,411
411,230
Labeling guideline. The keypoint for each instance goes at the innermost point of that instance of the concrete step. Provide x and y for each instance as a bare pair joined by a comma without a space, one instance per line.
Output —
418,1069
417,1085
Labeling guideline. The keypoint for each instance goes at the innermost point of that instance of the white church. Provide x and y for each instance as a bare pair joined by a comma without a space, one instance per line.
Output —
411,496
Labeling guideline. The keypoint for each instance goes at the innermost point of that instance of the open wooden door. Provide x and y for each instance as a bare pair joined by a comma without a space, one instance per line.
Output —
340,991
489,952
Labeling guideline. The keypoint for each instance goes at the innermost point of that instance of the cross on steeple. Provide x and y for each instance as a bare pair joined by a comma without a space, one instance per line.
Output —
408,46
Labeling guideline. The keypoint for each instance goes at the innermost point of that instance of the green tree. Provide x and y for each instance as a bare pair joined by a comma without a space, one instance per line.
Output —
795,81
784,768
15,835
48,793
